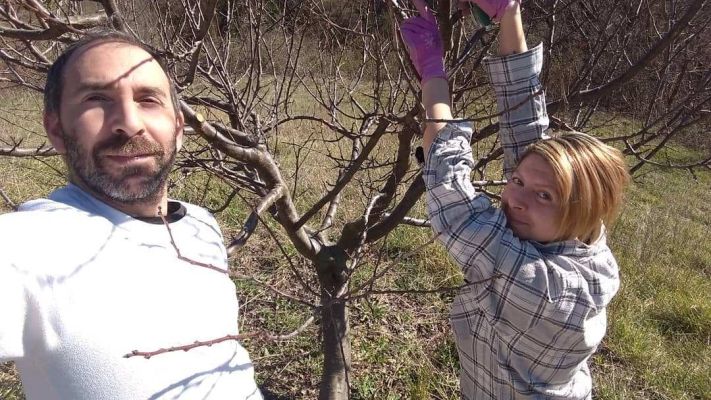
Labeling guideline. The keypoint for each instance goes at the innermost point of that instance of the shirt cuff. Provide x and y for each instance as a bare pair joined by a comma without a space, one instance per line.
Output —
452,141
515,68
452,130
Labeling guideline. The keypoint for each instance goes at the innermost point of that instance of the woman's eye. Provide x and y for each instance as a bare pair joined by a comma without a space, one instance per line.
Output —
545,196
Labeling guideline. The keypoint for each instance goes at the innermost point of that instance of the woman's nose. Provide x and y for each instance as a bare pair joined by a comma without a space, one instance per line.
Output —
517,199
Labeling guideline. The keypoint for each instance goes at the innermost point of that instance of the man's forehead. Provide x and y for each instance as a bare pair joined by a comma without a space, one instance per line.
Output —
109,63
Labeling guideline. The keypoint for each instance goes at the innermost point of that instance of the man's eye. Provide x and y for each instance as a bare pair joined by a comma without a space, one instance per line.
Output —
149,100
96,97
516,180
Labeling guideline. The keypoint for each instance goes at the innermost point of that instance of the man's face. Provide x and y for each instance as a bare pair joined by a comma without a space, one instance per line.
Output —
530,202
116,124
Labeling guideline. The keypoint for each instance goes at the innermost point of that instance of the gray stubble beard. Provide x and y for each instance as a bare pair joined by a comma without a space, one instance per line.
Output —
87,167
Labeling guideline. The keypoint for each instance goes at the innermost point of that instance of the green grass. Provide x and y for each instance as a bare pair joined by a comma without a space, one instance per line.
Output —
660,322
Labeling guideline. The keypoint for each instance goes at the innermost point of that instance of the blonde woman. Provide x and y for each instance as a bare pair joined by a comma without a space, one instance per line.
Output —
529,331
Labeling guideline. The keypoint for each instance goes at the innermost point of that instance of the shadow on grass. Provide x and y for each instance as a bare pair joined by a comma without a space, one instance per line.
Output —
689,324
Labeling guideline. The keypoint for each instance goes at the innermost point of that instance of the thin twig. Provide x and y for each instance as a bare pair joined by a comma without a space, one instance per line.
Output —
419,222
7,199
260,334
390,265
294,270
177,250
361,240
348,174
422,291
237,275
490,116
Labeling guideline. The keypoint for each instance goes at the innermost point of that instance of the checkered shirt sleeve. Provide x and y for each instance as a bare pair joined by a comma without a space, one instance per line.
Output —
521,100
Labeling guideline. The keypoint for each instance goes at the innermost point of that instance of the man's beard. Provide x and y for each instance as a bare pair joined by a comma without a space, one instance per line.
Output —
89,166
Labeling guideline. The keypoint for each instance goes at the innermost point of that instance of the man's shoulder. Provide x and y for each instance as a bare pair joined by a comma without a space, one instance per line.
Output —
43,205
33,211
40,219
32,230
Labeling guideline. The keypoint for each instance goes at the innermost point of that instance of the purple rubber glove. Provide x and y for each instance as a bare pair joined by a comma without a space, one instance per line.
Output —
424,43
493,8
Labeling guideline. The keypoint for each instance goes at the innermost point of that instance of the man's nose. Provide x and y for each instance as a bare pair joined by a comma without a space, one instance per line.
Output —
126,118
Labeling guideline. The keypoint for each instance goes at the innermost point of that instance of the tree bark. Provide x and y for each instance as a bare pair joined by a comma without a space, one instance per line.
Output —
332,275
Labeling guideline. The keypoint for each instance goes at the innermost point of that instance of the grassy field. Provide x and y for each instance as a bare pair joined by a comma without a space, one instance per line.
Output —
659,339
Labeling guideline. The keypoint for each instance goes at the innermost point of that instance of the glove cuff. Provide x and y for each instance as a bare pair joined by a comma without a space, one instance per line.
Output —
433,69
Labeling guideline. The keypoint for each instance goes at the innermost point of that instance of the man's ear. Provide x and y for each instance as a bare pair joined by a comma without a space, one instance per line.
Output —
180,125
53,127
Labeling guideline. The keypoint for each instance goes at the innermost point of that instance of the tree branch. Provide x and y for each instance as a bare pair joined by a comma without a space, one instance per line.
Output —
15,151
75,24
590,95
347,175
251,223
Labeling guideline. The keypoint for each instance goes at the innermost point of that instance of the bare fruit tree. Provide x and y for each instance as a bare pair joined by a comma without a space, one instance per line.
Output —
308,111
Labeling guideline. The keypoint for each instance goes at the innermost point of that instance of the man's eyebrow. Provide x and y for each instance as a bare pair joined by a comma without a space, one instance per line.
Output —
100,86
155,90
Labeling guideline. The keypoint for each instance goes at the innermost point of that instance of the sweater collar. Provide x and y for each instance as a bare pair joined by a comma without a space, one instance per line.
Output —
73,195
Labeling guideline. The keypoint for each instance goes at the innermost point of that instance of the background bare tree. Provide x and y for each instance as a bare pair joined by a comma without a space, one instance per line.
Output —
307,113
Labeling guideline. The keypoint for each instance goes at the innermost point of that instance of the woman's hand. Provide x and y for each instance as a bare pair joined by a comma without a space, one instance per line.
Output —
495,9
424,43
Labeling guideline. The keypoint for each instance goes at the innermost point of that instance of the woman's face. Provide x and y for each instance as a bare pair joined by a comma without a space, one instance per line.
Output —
530,200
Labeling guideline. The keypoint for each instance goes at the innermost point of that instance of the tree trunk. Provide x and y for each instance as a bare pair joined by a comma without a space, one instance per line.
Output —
334,326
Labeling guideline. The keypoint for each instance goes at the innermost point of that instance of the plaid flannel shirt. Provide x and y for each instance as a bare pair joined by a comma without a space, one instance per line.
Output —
529,332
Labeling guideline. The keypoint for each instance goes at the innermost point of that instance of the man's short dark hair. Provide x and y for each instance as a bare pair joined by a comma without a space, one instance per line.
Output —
55,82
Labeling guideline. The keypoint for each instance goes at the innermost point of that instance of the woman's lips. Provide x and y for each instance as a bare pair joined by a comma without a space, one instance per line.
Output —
516,221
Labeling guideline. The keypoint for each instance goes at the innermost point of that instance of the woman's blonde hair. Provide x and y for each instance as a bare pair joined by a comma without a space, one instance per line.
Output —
590,179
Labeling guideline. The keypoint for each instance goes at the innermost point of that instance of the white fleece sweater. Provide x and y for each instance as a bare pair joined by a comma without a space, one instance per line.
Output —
82,284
